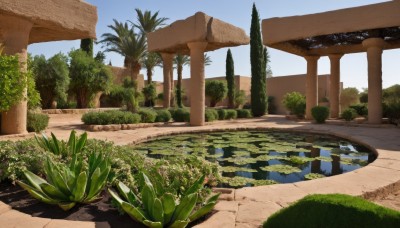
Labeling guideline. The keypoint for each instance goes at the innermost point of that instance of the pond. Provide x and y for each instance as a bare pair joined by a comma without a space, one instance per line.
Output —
254,158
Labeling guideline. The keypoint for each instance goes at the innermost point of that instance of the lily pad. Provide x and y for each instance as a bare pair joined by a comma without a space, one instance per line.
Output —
237,181
233,169
285,169
312,176
264,182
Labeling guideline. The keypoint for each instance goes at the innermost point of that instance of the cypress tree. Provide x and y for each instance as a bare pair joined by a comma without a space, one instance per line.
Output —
258,72
87,46
230,78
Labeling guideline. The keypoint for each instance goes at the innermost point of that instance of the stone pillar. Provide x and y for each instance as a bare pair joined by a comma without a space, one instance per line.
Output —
311,84
334,85
197,83
374,47
15,38
167,68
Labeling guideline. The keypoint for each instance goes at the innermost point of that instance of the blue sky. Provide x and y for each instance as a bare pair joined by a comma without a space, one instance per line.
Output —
238,13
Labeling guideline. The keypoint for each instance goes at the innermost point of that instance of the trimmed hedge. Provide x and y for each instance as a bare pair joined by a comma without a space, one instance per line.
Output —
334,211
320,113
37,122
349,114
148,115
244,113
211,115
221,114
361,109
231,114
180,114
163,116
110,117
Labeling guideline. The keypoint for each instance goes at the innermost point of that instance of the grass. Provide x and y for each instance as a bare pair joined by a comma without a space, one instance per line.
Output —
334,210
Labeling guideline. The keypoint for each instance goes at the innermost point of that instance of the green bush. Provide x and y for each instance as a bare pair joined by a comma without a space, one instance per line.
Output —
216,91
37,122
361,109
148,115
231,114
163,116
150,94
211,115
244,113
295,102
180,115
349,114
320,113
110,117
221,114
393,111
334,211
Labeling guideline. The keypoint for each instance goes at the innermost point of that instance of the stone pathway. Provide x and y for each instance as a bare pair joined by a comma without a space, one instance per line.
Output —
249,207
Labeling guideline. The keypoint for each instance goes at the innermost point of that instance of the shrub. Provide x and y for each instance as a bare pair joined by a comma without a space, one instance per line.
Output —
150,94
211,115
231,114
156,208
181,115
110,117
216,91
240,98
163,116
349,96
349,114
148,115
221,114
393,111
361,109
334,210
244,113
37,122
295,102
320,113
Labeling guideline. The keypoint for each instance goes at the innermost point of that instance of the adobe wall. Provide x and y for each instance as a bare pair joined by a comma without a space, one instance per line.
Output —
121,72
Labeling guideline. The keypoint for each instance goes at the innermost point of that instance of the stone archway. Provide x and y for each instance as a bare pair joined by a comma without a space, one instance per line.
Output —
193,36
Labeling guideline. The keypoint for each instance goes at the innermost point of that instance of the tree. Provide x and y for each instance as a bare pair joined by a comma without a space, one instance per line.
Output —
150,61
207,60
150,94
216,91
51,77
259,99
295,102
87,46
146,22
349,96
230,79
131,96
268,70
88,77
180,61
125,42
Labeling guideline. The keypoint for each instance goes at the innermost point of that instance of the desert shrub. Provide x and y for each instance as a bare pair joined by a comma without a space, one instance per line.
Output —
211,115
295,102
320,113
244,113
221,114
393,111
231,114
361,109
37,122
181,115
150,94
349,96
240,98
349,114
216,91
148,115
163,116
334,210
110,117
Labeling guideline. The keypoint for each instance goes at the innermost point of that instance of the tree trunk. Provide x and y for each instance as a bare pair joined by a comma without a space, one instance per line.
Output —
149,75
135,70
179,87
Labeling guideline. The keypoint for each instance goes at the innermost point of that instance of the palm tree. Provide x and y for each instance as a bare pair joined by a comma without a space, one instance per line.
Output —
146,22
207,60
150,61
126,43
180,61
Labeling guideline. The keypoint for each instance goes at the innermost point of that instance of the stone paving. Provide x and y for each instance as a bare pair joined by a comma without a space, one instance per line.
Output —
249,207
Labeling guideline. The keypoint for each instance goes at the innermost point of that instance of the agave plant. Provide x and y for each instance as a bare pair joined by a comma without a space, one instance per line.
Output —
69,184
74,145
162,211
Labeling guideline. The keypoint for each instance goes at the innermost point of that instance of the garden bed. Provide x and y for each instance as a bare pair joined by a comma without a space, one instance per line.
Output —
118,127
76,111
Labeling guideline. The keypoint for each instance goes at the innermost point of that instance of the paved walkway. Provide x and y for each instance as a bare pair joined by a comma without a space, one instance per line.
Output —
249,207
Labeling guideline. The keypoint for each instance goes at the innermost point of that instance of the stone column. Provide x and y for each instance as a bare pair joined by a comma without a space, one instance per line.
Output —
197,83
15,35
167,67
311,84
374,47
334,85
